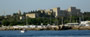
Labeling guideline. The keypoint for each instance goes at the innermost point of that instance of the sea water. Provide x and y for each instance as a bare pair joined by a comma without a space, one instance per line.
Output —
46,33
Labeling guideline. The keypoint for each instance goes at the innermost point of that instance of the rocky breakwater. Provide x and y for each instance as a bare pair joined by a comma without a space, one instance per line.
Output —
34,27
80,27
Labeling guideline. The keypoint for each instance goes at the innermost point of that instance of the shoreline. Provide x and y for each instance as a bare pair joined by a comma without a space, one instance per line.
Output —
49,28
39,30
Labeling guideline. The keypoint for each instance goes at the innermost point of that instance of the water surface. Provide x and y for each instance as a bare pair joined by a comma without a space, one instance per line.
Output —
62,33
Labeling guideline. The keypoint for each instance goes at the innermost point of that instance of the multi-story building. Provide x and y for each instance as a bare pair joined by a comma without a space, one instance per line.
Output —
74,12
56,11
60,13
63,13
32,15
49,12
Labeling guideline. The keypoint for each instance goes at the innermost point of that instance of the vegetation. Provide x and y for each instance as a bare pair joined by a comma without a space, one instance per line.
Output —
14,20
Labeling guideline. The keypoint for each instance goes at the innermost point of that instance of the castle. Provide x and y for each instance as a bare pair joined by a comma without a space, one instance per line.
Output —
57,12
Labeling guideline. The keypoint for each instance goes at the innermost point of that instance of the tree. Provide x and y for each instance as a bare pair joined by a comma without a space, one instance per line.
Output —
5,22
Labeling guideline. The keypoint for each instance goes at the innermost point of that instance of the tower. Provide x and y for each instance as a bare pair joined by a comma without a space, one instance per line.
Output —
56,11
19,12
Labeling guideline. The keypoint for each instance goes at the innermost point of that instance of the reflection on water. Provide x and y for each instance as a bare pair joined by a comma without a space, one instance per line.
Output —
66,33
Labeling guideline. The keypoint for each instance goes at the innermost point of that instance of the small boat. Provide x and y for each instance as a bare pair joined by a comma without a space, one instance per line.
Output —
22,31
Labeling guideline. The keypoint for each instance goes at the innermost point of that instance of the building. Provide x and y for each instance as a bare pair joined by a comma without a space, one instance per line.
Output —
74,11
21,17
32,15
56,11
19,12
85,23
72,24
42,11
63,13
49,12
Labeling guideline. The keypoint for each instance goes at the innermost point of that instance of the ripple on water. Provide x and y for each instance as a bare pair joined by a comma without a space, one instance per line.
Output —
66,33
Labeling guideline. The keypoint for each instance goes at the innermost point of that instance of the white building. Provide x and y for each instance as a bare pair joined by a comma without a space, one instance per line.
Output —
20,27
85,23
32,26
26,26
72,24
41,26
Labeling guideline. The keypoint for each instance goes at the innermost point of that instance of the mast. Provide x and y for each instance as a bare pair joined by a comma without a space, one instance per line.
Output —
26,21
83,17
50,19
62,20
70,17
79,19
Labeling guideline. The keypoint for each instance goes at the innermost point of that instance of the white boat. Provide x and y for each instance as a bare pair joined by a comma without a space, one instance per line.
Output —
23,31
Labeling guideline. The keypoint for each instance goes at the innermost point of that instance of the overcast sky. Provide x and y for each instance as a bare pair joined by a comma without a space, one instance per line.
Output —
12,6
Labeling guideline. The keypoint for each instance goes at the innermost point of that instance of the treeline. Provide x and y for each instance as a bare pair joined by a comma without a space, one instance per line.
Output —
14,20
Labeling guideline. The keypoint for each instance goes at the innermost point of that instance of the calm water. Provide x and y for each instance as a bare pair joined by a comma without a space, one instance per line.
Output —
66,33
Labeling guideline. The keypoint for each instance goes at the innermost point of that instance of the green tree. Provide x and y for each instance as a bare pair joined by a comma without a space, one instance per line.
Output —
5,22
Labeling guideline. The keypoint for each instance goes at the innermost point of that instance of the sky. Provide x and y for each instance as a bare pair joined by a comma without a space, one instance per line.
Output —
12,6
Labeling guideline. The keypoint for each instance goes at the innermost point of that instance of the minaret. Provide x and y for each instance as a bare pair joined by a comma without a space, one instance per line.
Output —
19,12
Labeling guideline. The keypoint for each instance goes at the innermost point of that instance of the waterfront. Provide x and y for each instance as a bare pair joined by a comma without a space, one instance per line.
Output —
62,33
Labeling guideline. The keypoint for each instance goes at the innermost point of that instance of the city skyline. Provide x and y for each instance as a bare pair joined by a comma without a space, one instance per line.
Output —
12,6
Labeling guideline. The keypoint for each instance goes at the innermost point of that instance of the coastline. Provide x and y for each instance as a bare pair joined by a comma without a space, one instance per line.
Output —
49,28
